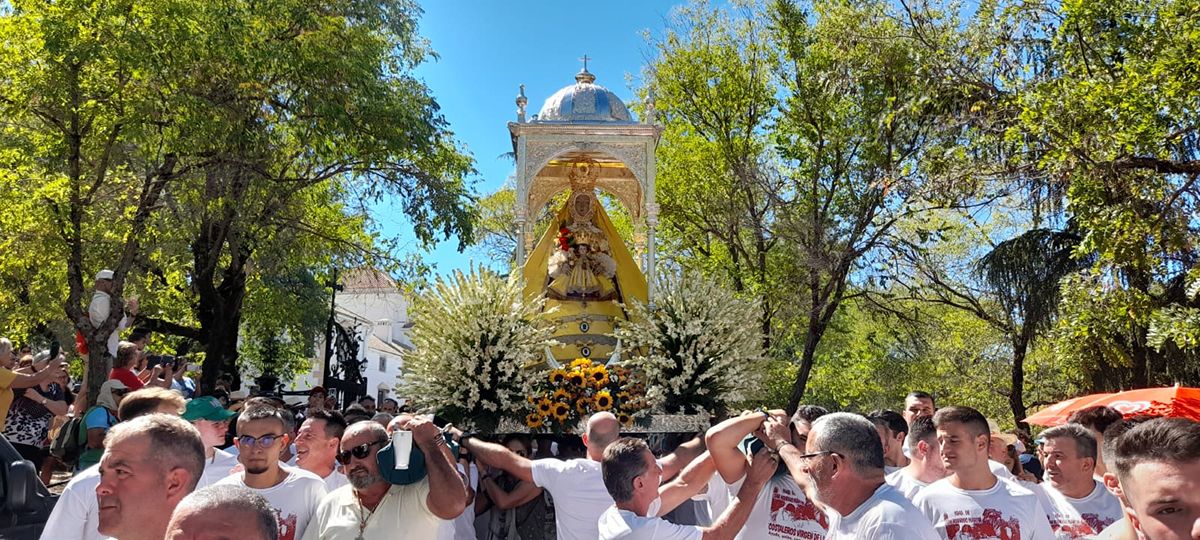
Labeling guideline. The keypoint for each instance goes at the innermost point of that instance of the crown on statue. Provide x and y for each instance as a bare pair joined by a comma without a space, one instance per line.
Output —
583,175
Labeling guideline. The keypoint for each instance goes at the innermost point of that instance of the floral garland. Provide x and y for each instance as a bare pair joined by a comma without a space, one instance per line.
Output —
566,238
476,336
584,387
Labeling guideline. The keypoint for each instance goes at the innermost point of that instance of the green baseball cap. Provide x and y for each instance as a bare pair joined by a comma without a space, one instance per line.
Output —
206,408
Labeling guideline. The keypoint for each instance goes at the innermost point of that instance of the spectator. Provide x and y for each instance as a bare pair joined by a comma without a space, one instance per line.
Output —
316,400
390,406
32,411
355,414
972,500
294,494
1158,464
633,479
925,467
382,419
149,465
125,369
223,512
11,380
76,514
317,446
212,421
98,419
732,462
368,404
519,510
1097,420
1079,506
918,403
183,383
892,428
101,307
400,511
844,467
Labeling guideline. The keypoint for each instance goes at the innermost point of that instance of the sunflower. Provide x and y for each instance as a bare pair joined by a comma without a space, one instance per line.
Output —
623,396
576,378
599,376
561,410
604,400
534,420
544,406
561,395
581,363
582,404
558,376
624,419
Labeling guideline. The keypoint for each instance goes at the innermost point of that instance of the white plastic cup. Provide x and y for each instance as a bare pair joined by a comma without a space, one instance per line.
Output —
402,442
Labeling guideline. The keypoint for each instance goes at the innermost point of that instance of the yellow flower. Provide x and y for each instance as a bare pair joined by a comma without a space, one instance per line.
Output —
599,376
561,410
624,419
581,363
604,400
582,404
543,407
558,376
561,395
576,378
623,396
534,421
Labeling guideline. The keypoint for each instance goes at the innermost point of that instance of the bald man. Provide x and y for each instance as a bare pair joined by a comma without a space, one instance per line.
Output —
220,512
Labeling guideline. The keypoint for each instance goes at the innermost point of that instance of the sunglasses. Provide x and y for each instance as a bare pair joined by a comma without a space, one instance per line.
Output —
263,442
361,452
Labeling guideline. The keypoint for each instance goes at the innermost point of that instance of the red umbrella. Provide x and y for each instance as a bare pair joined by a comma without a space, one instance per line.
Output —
1176,401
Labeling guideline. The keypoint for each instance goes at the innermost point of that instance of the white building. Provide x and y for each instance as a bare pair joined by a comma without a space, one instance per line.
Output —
371,303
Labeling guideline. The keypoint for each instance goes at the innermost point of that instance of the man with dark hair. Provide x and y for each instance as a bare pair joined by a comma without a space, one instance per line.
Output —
892,428
1158,464
317,446
1078,505
295,494
1120,529
368,404
781,505
972,502
373,509
76,514
917,403
223,512
149,465
634,480
843,466
390,406
926,466
1097,420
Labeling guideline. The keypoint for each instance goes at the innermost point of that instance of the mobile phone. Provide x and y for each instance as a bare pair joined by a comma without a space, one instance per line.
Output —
54,350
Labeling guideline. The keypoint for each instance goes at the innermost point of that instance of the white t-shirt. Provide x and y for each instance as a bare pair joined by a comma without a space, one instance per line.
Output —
1079,518
781,511
295,499
1005,511
905,484
217,468
402,513
617,524
577,487
335,480
76,515
885,515
717,497
98,311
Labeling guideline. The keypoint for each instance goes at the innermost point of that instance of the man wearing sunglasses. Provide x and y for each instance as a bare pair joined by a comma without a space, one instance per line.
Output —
293,493
374,509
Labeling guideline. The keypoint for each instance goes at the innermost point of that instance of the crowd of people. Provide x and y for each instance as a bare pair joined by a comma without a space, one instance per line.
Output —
163,459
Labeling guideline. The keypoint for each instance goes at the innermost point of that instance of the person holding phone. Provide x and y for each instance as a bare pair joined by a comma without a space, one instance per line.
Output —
11,379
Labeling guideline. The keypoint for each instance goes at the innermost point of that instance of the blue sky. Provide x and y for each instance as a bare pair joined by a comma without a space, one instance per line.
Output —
488,48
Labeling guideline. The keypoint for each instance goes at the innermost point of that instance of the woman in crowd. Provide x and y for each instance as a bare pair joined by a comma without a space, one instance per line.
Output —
99,418
32,411
518,509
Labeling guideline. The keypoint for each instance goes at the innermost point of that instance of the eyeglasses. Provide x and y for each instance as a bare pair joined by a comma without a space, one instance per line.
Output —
821,453
263,442
361,452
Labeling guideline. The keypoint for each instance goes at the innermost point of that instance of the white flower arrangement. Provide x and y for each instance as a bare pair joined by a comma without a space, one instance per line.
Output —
697,346
477,339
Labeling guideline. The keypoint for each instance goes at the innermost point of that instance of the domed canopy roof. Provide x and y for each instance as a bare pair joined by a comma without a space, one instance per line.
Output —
584,101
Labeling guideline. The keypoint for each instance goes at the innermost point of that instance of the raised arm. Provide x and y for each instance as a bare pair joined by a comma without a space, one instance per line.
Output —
496,455
731,522
723,439
693,479
28,380
448,494
520,495
779,439
683,455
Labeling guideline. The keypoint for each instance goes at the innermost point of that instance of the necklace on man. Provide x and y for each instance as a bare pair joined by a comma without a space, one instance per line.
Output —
362,517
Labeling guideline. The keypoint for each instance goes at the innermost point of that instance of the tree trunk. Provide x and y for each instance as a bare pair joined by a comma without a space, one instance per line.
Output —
1016,398
220,310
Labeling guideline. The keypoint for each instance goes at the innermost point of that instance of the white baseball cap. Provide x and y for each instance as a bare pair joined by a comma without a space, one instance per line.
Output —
104,274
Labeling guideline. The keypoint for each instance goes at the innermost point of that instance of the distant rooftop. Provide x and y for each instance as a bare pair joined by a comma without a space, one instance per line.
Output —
367,279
